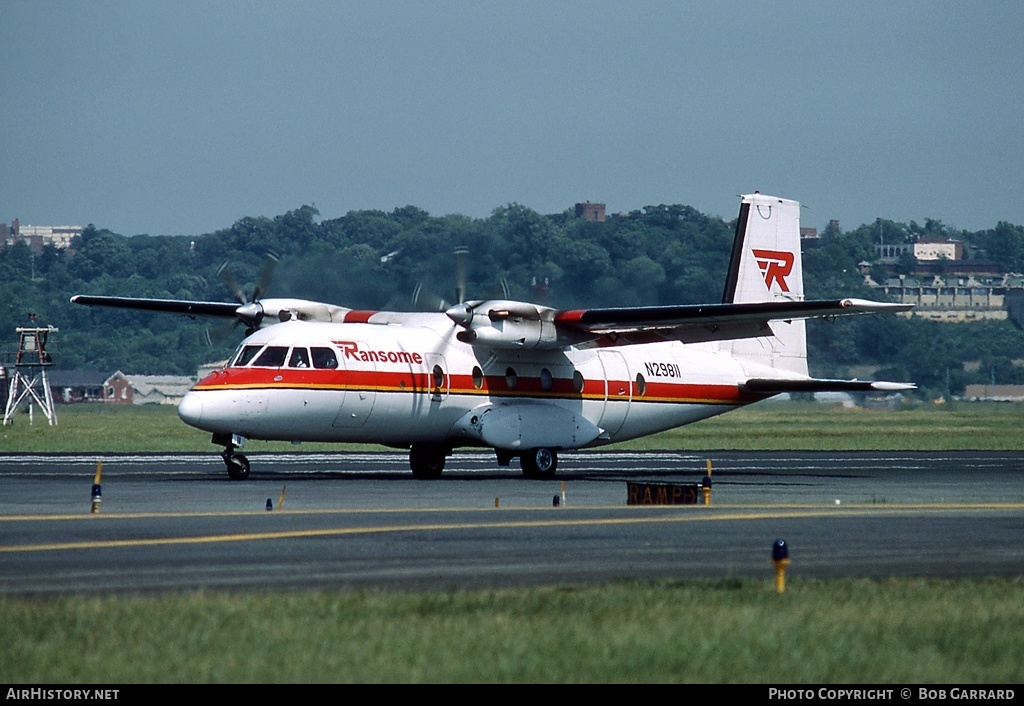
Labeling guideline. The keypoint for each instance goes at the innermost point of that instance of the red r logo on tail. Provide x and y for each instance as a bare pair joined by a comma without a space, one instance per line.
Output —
776,266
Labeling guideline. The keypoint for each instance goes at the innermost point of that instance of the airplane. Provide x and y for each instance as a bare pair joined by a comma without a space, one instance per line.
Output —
525,380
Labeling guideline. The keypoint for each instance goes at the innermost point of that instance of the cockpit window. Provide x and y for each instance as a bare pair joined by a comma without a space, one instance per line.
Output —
246,354
324,358
272,357
299,358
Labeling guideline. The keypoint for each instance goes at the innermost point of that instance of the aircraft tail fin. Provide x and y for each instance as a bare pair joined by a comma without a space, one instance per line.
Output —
766,267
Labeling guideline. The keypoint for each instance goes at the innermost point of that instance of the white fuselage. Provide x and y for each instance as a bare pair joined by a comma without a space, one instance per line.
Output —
413,382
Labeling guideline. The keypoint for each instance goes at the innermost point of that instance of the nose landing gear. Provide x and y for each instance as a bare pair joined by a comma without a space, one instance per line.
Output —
237,464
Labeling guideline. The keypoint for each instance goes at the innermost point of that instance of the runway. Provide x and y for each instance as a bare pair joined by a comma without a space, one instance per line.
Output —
360,521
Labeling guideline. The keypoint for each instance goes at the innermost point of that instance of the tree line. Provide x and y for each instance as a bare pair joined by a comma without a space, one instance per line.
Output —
372,259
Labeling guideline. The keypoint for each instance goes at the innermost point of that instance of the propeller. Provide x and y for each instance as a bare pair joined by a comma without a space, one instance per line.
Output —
422,298
249,312
461,257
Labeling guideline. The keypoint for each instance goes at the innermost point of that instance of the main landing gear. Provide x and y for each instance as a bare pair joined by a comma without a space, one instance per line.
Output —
539,463
427,461
237,464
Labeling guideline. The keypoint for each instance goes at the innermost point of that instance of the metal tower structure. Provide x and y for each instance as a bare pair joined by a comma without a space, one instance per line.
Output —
27,380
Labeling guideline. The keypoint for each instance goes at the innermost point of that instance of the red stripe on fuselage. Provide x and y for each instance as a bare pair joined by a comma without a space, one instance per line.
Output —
493,385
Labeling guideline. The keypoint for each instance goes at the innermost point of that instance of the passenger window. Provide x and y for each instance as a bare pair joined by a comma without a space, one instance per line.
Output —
478,377
546,381
271,357
324,358
641,385
511,378
299,358
245,355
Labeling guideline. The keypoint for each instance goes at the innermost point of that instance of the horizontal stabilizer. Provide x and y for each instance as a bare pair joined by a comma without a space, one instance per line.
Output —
779,385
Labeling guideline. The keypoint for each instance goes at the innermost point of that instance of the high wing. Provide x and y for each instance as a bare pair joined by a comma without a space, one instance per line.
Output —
705,322
512,323
252,314
173,306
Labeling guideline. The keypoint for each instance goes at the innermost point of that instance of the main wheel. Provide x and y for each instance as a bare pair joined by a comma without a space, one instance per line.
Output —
426,462
238,466
539,463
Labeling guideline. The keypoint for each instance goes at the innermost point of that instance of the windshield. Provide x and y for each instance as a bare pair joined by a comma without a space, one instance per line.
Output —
246,354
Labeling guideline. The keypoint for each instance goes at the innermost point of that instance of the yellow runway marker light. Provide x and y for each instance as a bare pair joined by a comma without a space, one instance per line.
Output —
780,556
705,485
97,492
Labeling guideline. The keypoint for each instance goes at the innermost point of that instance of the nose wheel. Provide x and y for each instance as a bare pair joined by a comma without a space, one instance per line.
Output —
238,465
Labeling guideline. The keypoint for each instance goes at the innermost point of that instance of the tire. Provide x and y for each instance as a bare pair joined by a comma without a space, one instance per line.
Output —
539,463
238,467
426,462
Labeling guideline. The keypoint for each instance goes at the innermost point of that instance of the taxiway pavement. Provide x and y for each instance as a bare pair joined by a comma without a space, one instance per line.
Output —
176,522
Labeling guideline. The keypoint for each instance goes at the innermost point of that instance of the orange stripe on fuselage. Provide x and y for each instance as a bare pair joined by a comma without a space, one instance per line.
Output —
493,385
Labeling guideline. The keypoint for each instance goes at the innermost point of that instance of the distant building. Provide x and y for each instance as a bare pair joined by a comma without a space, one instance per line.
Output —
590,211
159,389
117,389
994,393
205,370
938,249
892,252
809,238
37,237
77,386
74,386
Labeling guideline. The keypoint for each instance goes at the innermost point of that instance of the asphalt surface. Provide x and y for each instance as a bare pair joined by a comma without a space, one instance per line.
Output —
176,522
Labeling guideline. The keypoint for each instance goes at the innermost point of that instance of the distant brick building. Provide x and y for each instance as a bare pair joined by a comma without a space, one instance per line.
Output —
117,388
590,211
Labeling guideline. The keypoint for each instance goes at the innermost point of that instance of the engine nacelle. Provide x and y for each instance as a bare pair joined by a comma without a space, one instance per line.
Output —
508,324
510,334
283,309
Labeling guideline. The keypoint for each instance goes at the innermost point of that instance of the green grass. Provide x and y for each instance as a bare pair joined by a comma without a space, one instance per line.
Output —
846,631
767,426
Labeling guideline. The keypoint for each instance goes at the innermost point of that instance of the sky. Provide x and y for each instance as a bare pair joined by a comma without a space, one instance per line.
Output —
181,117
